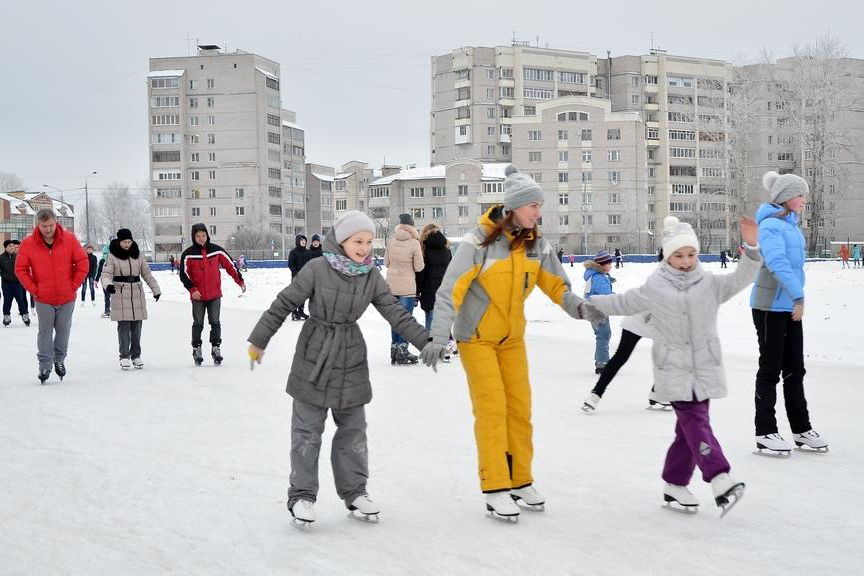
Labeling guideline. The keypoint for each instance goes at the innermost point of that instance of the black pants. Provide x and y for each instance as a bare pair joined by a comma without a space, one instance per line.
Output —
212,308
129,337
781,351
722,263
14,291
622,354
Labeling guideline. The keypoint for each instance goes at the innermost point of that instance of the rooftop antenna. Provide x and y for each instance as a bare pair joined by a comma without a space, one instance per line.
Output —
538,41
651,39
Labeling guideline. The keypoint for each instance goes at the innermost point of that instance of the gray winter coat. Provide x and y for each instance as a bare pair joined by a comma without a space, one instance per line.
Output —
125,270
688,360
329,369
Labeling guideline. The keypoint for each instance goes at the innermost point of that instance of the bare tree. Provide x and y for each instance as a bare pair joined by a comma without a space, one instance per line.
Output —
118,207
10,182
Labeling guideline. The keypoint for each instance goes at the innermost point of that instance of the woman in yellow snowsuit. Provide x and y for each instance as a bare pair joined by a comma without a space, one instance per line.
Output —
482,297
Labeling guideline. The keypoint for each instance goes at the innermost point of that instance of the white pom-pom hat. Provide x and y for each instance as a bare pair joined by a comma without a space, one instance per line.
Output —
519,189
782,188
677,234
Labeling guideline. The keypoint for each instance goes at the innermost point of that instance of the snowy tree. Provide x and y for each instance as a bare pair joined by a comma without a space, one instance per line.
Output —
10,182
118,207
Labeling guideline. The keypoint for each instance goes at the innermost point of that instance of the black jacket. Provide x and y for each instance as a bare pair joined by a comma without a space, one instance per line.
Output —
298,257
7,267
313,251
94,264
436,256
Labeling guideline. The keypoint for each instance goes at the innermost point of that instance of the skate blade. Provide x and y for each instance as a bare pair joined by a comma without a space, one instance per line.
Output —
659,407
772,453
139,367
730,499
588,409
301,524
531,507
361,517
810,450
676,506
510,518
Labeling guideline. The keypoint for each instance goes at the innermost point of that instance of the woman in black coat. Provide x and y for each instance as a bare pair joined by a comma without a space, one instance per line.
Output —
436,256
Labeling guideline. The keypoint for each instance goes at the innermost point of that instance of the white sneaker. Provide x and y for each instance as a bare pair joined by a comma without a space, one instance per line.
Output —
679,494
812,440
125,363
501,504
138,363
303,510
589,405
364,505
529,495
773,442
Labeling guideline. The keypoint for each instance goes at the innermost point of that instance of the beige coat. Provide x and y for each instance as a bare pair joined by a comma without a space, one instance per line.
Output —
128,302
403,258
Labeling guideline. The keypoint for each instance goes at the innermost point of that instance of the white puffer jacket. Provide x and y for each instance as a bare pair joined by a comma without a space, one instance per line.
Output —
403,258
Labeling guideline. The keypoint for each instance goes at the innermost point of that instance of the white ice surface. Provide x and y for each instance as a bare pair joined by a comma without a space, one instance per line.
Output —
183,470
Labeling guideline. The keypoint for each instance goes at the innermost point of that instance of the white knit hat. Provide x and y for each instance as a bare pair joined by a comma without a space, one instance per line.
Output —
677,234
350,223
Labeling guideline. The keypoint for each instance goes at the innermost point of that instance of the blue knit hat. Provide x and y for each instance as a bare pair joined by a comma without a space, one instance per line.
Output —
602,257
519,189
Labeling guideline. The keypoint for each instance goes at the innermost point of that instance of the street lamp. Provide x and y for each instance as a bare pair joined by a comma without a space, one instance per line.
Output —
87,204
57,189
586,213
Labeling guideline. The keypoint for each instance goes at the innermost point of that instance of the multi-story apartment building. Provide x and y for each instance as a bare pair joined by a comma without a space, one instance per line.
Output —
293,177
216,154
319,198
330,194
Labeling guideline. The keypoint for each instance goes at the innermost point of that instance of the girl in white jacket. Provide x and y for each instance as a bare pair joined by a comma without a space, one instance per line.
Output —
683,300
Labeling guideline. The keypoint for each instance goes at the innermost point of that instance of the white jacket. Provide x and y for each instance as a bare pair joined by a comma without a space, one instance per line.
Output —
687,357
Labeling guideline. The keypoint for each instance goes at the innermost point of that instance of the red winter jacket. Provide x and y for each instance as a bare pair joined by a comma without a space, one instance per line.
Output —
199,270
52,275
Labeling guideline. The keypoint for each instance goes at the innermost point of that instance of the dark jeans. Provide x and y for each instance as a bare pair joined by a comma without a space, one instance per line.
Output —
107,301
781,351
407,302
88,281
211,307
14,291
622,354
129,337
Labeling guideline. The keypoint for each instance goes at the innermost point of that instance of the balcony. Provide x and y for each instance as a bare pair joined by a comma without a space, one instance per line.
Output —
466,83
652,106
462,121
506,102
507,82
462,103
504,139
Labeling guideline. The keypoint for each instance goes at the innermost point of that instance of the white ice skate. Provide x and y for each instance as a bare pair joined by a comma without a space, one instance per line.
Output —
589,405
302,513
125,363
655,404
138,363
528,498
773,445
363,508
502,507
680,499
810,441
727,492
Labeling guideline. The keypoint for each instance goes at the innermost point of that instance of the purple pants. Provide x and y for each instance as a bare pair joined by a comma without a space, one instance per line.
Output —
694,445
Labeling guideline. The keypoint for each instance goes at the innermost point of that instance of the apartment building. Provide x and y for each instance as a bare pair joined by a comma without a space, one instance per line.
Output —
293,178
319,198
215,140
330,193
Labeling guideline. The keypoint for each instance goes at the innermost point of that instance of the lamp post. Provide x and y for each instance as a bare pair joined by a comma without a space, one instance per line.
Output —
57,189
586,212
87,204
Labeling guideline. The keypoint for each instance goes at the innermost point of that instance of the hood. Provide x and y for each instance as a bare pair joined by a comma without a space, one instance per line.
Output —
435,240
330,244
592,269
122,254
58,233
768,210
200,227
405,232
678,278
297,241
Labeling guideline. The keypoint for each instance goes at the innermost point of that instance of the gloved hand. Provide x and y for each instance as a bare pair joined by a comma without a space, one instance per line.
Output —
588,311
255,355
156,297
110,289
432,353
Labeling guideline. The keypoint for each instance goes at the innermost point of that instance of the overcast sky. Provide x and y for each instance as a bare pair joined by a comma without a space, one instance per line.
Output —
73,91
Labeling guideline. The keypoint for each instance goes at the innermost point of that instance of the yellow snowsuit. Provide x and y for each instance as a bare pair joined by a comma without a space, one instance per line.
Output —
485,290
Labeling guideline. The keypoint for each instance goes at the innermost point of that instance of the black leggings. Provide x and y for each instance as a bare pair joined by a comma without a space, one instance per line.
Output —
622,354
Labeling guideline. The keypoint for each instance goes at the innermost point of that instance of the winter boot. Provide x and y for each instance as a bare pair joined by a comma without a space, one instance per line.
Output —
125,363
302,512
679,498
589,405
216,354
363,508
773,445
138,363
502,507
60,369
727,492
7,320
810,441
26,319
530,498
403,356
197,356
393,350
598,367
44,373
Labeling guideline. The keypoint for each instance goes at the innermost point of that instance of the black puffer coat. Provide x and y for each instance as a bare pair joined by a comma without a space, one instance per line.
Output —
436,255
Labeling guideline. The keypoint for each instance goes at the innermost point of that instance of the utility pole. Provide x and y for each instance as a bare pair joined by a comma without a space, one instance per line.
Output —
87,204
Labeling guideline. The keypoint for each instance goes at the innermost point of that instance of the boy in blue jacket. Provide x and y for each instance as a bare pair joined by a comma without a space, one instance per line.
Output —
598,281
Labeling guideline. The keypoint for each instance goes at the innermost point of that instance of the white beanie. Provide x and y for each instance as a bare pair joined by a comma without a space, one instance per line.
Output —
350,223
677,234
784,187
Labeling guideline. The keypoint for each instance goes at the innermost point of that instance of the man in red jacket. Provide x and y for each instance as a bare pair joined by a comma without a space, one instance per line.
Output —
51,265
199,272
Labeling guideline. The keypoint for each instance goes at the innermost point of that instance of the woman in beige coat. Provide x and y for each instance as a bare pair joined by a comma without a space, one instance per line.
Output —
403,258
121,277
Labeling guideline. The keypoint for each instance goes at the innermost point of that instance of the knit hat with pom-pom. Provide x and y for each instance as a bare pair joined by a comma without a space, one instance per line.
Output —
785,187
677,234
519,189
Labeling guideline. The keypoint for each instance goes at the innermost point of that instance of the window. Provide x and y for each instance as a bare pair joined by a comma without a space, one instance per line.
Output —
274,191
650,79
165,101
239,193
274,173
162,83
634,81
439,191
195,175
681,206
211,83
272,119
712,172
586,156
613,155
210,101
680,100
462,190
167,156
194,139
212,211
613,177
534,156
614,198
613,134
463,211
588,219
271,83
562,135
463,74
571,77
325,200
563,219
651,172
165,120
196,211
708,153
211,192
529,110
193,120
273,138
586,197
418,213
211,174
239,210
506,92
563,199
680,117
537,74
438,212
651,190
634,99
506,73
463,130
614,219
786,156
682,170
211,138
682,135
417,192
168,193
493,187
211,156
537,94
680,82
652,133
193,84
490,150
651,208
341,204
586,135
490,112
682,188
211,119
490,73
586,176
490,130
563,177
562,156
682,152
537,177
165,137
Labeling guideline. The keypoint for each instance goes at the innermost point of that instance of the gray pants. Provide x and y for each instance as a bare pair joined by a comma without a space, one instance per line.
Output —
55,323
129,337
348,455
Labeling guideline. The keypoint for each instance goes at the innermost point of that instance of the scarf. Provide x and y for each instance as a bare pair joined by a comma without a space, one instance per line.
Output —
346,266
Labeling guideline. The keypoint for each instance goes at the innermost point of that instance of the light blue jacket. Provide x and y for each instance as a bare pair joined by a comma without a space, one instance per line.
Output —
856,252
780,281
596,281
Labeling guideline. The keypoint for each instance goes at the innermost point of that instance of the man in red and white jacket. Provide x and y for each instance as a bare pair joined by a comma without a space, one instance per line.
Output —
199,272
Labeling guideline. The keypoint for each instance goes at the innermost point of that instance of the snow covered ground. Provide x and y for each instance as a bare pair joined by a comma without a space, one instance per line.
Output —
183,470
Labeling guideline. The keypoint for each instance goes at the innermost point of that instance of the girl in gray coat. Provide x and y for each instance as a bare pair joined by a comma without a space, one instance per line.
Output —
683,300
329,370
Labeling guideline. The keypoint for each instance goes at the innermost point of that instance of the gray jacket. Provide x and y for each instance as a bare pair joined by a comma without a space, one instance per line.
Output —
329,369
687,357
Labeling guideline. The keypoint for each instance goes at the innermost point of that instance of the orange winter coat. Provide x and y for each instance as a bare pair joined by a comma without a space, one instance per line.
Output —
844,252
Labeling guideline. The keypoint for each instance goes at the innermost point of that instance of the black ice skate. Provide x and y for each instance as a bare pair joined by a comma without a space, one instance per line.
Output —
26,319
44,374
7,320
217,355
402,355
301,313
197,356
295,315
60,369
